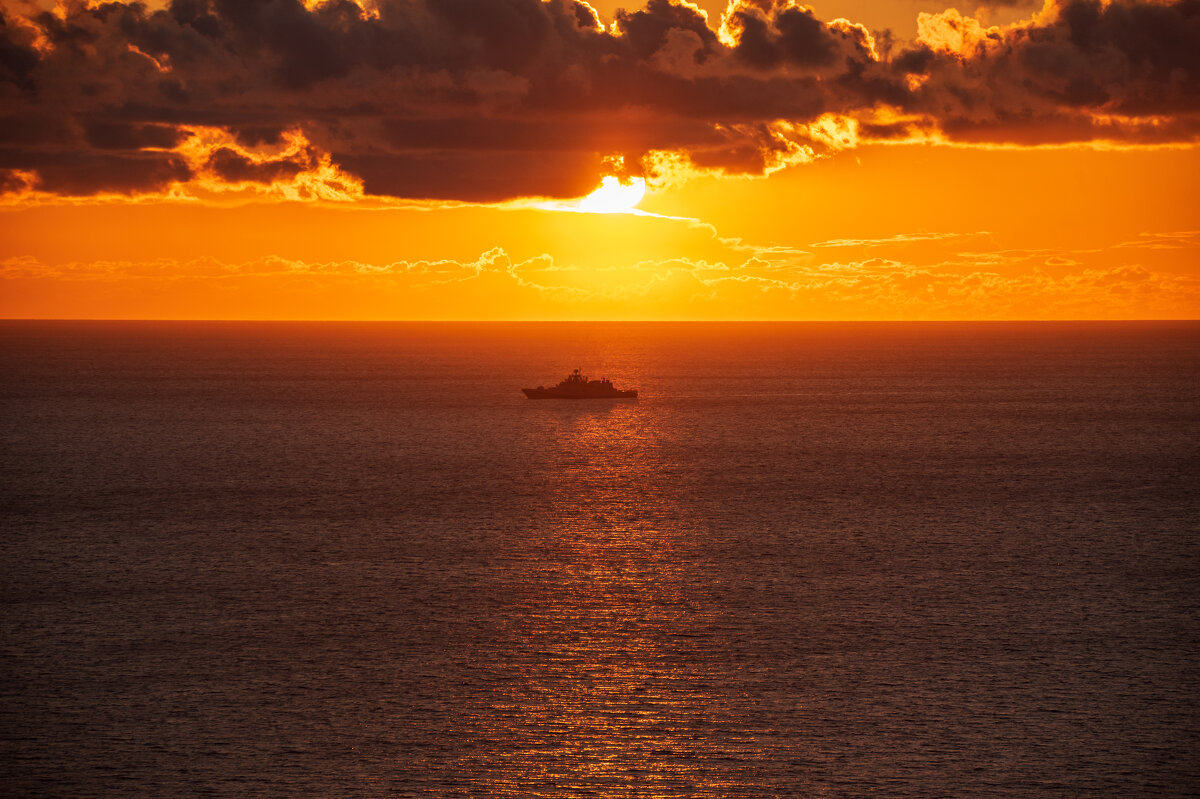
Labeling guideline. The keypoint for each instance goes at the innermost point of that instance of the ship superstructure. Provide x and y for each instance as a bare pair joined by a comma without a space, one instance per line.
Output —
577,386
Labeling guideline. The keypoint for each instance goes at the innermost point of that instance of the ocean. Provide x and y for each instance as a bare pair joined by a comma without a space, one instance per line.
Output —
353,560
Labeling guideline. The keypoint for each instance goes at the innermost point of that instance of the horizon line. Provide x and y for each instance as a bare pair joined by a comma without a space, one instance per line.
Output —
124,320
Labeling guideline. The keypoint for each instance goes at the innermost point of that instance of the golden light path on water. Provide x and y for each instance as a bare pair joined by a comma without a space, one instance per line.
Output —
617,683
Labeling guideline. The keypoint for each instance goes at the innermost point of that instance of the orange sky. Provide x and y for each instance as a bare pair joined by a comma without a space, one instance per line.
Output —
914,175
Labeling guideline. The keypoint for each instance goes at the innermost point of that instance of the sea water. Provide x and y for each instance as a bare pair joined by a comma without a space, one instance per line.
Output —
338,560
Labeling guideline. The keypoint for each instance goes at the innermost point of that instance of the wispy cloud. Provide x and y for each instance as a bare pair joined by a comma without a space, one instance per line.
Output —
1186,239
496,285
899,238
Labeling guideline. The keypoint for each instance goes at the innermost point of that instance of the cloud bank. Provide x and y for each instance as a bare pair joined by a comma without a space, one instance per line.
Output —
490,100
911,277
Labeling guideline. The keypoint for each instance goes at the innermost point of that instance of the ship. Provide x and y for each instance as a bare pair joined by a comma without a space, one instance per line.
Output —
577,386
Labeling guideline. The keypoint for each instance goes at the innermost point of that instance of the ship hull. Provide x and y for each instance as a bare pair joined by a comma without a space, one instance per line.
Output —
554,393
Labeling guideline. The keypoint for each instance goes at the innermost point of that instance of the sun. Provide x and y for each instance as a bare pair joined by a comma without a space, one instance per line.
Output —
614,197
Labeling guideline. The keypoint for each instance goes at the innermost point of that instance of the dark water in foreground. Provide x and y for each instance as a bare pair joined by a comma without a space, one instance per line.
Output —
813,560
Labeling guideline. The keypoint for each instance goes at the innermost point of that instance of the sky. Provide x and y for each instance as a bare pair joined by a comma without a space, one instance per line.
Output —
551,159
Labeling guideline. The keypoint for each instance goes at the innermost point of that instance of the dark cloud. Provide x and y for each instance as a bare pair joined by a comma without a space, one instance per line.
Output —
1124,71
985,4
233,167
528,173
17,58
649,29
83,173
482,100
106,134
774,32
40,127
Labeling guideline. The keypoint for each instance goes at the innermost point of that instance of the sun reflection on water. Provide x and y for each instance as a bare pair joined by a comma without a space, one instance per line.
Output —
615,681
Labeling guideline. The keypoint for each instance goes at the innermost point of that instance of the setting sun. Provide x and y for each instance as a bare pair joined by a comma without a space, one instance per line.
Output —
614,196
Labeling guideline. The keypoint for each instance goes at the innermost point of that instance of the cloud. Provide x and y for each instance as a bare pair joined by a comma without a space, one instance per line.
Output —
768,34
993,4
1184,239
1081,70
490,100
899,238
497,285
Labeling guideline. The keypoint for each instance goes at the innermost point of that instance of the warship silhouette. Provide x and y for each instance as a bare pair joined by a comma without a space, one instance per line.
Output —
577,386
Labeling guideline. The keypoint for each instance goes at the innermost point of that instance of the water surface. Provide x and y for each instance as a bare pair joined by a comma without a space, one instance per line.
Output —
812,560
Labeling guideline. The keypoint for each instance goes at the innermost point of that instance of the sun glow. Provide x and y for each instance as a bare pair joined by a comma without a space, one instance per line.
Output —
614,197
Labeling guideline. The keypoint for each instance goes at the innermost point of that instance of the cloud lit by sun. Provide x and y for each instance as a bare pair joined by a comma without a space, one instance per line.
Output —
614,196
638,158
